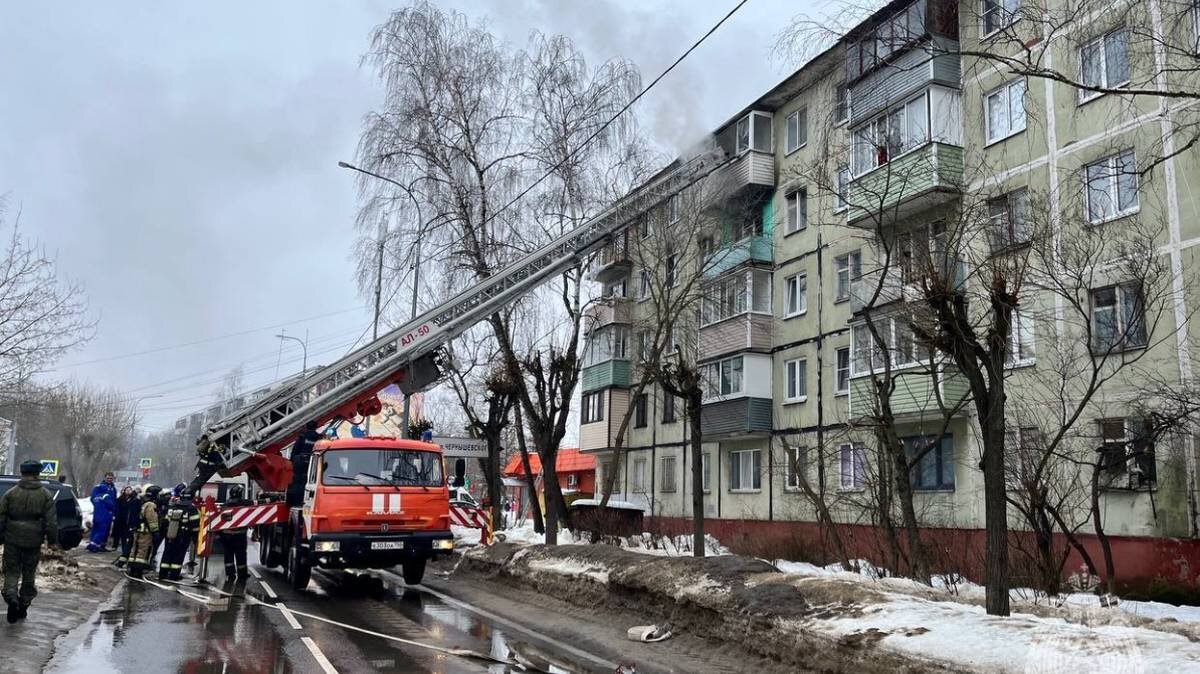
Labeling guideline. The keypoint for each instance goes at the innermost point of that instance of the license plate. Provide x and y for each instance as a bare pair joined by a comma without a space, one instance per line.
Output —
387,545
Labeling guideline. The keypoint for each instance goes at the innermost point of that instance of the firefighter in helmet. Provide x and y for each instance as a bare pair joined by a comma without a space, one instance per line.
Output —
147,533
233,541
178,528
208,461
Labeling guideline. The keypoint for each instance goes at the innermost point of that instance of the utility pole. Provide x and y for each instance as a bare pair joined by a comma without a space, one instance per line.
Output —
404,418
378,295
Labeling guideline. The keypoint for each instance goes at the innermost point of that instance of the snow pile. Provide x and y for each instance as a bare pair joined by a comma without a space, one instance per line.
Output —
58,571
645,543
465,537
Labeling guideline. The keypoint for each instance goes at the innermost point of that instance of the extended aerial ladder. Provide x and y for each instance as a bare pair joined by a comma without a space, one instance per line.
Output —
250,440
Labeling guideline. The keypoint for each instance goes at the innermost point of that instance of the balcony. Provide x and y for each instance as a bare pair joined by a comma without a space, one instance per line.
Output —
755,248
605,374
913,397
600,435
928,176
745,332
752,174
737,417
609,311
612,262
894,288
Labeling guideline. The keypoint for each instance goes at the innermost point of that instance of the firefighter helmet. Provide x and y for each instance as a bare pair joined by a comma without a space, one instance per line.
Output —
236,491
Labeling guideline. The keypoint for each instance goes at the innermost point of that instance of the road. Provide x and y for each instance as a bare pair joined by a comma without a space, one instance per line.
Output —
153,630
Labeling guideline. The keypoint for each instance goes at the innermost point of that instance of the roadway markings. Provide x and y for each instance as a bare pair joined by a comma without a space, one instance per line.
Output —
323,661
287,615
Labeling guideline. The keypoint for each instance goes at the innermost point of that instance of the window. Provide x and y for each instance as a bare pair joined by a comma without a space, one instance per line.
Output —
1020,343
643,226
644,285
796,289
674,207
706,247
735,294
1009,218
606,469
895,341
843,370
639,411
643,345
998,14
610,342
639,476
935,469
668,473
672,270
1022,450
705,476
1112,187
668,408
841,108
890,135
1126,453
723,378
753,132
849,269
745,469
852,460
617,288
1104,63
843,183
1005,110
1118,318
795,375
797,129
572,480
796,205
747,227
593,407
795,458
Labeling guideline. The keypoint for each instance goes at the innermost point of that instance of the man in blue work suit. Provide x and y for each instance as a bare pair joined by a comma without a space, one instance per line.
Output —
104,505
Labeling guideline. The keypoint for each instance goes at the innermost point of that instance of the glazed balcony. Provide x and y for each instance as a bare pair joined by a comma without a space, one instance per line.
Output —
750,249
920,179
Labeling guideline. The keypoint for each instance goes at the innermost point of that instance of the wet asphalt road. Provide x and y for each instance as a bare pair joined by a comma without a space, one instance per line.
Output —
153,630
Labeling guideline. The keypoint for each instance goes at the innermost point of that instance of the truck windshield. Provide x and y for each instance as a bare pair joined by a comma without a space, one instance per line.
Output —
377,467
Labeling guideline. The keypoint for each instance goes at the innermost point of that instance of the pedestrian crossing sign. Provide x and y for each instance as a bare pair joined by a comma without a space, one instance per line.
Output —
49,468
147,463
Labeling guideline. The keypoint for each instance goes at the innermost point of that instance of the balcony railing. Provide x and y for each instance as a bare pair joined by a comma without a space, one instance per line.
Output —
609,311
750,249
752,172
612,262
736,417
744,332
605,374
925,177
914,395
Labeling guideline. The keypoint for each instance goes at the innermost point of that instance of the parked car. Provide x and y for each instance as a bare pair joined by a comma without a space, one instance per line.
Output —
70,515
460,496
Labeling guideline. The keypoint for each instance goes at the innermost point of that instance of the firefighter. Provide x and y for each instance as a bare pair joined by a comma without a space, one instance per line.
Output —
27,517
147,533
208,461
301,456
233,541
176,538
125,523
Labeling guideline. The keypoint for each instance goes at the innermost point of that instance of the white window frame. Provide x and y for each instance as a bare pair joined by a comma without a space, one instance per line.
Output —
668,481
795,302
796,130
795,207
795,380
791,481
672,270
1022,333
838,369
1121,291
748,455
639,476
643,285
847,270
889,131
841,104
592,407
572,480
1009,220
858,466
1008,18
705,475
1005,94
1112,165
841,194
674,208
1086,95
714,378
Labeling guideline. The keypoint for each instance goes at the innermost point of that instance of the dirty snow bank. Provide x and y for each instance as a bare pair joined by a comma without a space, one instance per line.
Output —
828,619
645,543
60,571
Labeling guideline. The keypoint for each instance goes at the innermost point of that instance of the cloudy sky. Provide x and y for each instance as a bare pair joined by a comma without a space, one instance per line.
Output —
180,160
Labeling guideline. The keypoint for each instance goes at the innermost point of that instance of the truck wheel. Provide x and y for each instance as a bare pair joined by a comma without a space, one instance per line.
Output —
268,555
414,571
298,572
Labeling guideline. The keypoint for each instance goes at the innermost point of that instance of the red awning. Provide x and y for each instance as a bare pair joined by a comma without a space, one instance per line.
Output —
569,460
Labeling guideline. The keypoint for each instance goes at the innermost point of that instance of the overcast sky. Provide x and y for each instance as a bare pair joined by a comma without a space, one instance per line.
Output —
180,160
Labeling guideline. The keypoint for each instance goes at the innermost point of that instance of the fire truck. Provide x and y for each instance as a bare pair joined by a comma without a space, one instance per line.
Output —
374,502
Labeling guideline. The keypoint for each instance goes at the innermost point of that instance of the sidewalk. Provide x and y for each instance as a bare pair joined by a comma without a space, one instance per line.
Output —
71,586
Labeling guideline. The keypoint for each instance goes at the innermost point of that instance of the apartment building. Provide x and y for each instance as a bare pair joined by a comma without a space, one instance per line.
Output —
843,174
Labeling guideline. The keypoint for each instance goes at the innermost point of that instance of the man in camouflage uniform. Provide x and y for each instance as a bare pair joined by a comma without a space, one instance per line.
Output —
27,517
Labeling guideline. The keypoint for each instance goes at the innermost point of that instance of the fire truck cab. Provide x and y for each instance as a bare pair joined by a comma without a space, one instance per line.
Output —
369,503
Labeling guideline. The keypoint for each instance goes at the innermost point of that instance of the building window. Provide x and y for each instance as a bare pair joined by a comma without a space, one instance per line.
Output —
643,343
999,14
843,370
606,471
722,378
668,408
796,205
745,469
639,476
753,132
849,269
1022,451
617,288
1009,219
852,460
674,207
1005,110
1104,63
639,411
795,375
841,107
572,480
795,458
672,270
668,473
796,289
1118,318
1020,342
934,471
1112,187
1126,453
593,407
706,247
610,342
797,129
735,294
644,284
705,476
901,129
840,202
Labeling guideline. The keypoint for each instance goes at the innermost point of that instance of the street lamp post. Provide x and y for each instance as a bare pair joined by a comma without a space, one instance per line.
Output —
304,349
404,419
